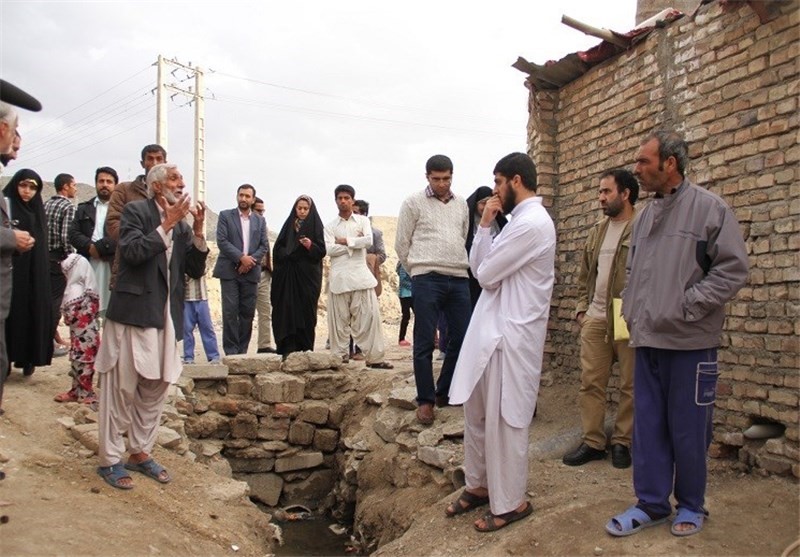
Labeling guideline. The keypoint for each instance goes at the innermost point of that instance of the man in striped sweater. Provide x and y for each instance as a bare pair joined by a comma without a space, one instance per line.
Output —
431,234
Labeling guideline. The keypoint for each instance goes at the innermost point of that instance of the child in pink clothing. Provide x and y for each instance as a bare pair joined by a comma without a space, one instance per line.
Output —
80,307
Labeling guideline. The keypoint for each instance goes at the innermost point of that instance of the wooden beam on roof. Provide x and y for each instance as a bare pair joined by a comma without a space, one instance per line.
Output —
587,29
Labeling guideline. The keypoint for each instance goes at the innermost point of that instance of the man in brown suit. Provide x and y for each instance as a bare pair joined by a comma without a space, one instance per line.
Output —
125,192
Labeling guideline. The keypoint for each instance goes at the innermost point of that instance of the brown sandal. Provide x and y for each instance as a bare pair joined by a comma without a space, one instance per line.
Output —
466,502
507,518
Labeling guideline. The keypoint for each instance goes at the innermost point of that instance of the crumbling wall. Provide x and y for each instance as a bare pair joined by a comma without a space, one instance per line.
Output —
729,83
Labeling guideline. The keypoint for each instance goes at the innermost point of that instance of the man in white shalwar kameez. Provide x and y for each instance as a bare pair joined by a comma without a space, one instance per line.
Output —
498,371
139,357
352,303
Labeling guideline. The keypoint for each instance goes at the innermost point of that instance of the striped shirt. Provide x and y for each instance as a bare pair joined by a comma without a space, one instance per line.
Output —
195,289
60,213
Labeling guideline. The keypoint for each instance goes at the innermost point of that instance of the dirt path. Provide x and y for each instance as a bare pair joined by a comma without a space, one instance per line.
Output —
57,505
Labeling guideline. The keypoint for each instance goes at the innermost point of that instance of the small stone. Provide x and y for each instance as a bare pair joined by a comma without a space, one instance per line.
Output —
95,490
598,550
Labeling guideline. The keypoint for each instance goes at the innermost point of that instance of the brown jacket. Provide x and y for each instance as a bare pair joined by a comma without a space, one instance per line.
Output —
123,193
587,274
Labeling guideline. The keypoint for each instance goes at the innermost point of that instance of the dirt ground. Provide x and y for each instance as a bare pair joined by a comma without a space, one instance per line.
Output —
57,505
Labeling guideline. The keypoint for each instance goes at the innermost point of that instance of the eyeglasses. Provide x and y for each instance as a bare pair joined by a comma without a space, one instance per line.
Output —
28,185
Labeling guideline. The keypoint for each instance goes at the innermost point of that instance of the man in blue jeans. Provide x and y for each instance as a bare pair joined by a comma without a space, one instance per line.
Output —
431,234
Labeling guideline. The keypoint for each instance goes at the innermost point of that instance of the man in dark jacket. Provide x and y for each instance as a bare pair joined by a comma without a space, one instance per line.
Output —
87,233
126,192
139,356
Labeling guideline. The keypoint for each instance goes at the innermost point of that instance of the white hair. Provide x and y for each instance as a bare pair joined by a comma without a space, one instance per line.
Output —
158,174
7,113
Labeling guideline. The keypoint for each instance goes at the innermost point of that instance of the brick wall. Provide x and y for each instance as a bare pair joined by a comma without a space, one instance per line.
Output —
730,84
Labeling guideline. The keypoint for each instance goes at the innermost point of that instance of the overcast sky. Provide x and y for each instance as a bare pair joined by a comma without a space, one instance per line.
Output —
300,96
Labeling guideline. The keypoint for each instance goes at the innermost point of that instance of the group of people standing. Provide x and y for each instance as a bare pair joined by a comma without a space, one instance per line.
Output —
652,287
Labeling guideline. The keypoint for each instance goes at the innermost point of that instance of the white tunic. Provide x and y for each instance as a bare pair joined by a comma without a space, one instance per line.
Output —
516,272
349,271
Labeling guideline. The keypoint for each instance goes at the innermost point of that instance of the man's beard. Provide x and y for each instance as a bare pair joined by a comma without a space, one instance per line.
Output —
244,206
169,196
104,195
509,201
612,209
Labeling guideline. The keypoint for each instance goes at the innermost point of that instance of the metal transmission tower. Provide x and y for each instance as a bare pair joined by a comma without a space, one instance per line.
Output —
196,96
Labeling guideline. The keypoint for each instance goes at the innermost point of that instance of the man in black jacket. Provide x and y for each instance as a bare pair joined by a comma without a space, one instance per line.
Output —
87,231
139,356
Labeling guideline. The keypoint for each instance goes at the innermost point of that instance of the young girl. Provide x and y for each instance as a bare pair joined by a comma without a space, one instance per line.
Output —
80,307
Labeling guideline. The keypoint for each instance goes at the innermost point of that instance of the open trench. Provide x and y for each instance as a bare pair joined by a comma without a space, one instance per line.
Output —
319,444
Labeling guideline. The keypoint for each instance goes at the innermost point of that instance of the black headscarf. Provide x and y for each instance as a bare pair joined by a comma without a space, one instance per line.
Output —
29,334
297,279
27,216
472,203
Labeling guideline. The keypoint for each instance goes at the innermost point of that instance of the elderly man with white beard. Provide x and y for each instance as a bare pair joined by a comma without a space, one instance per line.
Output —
139,356
498,371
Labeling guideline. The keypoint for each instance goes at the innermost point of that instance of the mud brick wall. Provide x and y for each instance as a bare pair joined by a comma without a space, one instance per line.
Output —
729,83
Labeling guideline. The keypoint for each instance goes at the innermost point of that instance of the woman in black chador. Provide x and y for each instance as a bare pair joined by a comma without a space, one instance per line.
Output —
475,203
297,278
29,335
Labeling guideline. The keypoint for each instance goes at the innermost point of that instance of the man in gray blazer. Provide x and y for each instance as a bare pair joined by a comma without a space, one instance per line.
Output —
139,356
242,242
10,240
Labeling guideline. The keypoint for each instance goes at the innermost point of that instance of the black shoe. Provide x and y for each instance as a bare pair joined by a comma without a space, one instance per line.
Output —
583,454
620,456
266,351
28,370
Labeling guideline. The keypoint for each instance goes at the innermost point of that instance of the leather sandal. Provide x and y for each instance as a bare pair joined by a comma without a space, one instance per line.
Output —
466,502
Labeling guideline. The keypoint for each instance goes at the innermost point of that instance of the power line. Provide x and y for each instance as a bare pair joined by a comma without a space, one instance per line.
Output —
140,124
57,118
288,108
104,114
349,99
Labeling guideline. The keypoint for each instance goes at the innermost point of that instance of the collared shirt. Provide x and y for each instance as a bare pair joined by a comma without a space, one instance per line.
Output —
245,219
101,210
349,271
430,193
60,212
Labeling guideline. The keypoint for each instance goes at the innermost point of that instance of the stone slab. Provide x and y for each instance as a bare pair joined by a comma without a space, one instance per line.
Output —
299,461
266,487
205,372
252,364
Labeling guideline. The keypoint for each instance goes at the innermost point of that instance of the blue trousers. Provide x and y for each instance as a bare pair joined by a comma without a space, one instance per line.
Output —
434,293
196,313
673,400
